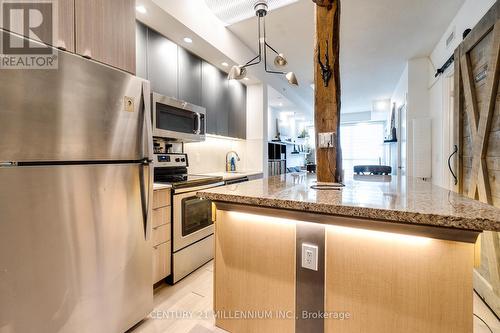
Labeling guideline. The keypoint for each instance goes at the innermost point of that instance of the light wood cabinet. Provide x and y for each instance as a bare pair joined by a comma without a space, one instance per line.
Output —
161,198
161,261
64,36
393,284
161,234
161,216
258,281
105,32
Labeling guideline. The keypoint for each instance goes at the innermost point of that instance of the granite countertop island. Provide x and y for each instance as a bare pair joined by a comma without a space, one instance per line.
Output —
395,254
388,198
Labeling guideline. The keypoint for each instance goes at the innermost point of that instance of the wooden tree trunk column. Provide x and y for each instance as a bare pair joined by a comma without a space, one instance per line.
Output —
327,89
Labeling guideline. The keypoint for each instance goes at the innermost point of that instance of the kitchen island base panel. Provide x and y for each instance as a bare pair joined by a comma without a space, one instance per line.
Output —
254,273
392,283
377,281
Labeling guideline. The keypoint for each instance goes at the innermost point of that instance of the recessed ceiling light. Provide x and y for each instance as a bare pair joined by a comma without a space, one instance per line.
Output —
225,64
382,105
281,104
188,40
141,9
246,79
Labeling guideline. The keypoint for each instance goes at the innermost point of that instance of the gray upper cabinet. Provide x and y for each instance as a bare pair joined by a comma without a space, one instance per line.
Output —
141,40
189,77
175,72
162,64
210,94
237,109
214,99
223,112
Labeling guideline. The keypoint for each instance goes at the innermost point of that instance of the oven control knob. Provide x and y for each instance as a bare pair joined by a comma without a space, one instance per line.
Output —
183,160
177,159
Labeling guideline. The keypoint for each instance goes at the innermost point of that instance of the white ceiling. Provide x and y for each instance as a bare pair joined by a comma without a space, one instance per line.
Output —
377,38
278,101
232,11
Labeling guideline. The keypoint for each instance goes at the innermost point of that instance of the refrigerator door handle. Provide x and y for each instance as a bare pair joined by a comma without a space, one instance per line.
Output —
148,124
147,186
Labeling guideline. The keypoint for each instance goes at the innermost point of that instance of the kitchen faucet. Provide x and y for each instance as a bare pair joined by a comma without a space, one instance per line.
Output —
228,163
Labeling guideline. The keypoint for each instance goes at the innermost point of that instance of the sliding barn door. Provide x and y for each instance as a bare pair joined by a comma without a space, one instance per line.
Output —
477,112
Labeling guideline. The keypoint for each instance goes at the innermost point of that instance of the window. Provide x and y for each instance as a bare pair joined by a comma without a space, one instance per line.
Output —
362,144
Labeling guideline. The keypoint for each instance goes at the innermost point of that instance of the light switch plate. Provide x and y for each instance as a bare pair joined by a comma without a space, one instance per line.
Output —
326,140
310,256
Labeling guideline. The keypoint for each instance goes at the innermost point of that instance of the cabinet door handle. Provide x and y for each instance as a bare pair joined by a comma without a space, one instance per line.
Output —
61,45
87,54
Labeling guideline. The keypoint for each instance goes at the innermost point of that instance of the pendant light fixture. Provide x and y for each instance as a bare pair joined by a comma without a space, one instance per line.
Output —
239,72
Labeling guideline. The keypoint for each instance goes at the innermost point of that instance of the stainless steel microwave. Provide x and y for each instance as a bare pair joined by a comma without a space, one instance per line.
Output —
177,120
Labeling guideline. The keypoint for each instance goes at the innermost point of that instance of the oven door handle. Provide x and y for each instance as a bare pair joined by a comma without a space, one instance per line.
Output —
195,189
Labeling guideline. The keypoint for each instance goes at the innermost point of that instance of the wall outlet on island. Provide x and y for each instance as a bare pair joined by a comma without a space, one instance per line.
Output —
310,256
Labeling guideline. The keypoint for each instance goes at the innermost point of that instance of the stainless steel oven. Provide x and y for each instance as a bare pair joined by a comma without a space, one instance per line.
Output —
177,120
193,229
192,222
192,217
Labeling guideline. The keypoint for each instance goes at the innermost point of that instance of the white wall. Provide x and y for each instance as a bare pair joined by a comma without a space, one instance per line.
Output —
257,136
430,97
272,115
401,90
355,117
467,17
441,88
412,89
210,155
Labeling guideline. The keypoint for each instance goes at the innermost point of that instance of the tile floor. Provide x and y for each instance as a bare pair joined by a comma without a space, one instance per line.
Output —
194,293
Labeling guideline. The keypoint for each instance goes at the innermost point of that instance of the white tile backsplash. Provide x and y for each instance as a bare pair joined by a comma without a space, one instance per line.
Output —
210,155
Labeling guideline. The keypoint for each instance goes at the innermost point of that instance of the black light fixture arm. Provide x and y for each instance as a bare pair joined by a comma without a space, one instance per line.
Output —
265,51
238,72
272,48
253,61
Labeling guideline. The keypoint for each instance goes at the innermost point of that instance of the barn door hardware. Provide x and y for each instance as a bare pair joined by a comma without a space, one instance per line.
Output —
455,150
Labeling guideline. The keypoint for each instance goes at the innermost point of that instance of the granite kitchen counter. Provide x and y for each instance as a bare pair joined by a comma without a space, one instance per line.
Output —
387,198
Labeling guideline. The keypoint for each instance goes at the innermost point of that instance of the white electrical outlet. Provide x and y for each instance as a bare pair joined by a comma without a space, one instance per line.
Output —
310,256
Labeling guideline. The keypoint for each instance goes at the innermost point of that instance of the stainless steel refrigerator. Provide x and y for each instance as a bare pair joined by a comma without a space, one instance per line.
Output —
75,199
